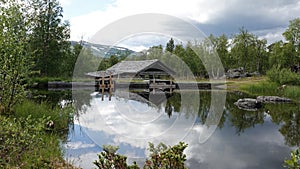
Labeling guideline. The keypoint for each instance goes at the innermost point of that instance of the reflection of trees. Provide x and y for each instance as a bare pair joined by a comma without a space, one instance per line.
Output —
241,119
82,100
169,108
52,97
289,116
286,115
188,107
192,107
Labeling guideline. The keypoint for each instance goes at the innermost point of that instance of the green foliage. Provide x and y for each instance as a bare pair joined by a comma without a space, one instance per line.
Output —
61,117
49,39
109,159
221,45
282,54
294,162
249,51
86,62
283,76
26,141
161,157
25,144
263,88
292,34
15,61
108,62
166,157
292,92
170,46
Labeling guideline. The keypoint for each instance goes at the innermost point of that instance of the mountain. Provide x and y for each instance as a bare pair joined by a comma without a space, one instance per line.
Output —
104,50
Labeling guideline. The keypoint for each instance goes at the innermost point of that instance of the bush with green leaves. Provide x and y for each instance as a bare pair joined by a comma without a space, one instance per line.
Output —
294,162
283,76
161,157
109,159
24,143
62,117
15,60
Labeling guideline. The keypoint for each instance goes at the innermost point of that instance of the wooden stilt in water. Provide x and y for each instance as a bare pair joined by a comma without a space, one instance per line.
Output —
171,85
110,87
102,87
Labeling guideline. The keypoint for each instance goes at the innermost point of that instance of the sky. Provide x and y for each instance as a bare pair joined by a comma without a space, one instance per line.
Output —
266,19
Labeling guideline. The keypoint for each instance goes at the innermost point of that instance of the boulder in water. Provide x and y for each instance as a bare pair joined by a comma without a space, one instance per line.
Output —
272,99
248,104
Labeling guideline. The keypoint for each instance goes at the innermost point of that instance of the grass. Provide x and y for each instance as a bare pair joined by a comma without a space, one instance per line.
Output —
61,117
292,92
27,142
261,88
238,84
49,79
271,88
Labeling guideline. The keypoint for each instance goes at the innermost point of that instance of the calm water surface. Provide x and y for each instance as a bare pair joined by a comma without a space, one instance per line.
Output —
241,139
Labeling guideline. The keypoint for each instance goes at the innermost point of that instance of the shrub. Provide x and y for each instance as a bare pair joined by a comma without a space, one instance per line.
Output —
61,117
294,162
161,157
109,159
24,143
283,76
25,140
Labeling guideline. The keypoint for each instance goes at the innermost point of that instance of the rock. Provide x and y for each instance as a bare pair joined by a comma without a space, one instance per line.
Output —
240,73
235,73
272,99
248,104
254,74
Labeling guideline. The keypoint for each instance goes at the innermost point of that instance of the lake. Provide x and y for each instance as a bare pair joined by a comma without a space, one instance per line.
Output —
230,139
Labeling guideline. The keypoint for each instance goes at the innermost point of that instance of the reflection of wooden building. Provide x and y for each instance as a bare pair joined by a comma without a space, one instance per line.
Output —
154,70
151,98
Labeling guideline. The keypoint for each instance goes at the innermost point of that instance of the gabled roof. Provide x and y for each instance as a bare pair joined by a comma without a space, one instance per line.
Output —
132,67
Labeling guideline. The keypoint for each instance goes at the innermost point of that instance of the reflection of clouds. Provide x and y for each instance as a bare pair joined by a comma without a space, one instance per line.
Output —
104,117
261,147
79,150
78,144
85,160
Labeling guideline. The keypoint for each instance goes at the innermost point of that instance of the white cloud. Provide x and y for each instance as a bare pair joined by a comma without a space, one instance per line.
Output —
272,35
87,25
212,16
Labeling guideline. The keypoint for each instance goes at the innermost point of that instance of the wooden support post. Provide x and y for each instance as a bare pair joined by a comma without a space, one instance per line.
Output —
102,86
171,86
110,87
110,81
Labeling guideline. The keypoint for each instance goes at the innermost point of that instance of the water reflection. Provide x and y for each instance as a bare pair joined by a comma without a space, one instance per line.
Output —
261,139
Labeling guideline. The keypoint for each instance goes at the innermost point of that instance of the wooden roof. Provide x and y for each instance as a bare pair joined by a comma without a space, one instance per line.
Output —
134,67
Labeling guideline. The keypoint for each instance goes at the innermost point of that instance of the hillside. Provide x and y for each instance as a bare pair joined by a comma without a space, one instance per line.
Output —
104,50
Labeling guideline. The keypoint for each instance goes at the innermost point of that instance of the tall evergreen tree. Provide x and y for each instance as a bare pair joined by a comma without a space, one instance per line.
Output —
170,46
243,50
49,39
